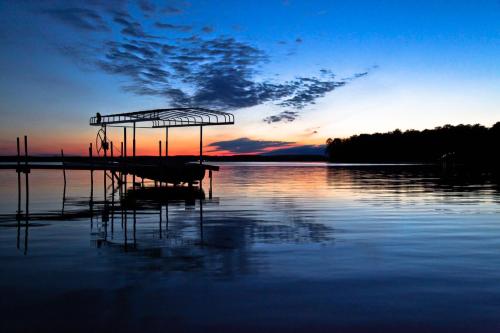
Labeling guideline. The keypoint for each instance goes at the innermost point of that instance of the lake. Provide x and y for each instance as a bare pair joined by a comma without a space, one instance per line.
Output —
279,247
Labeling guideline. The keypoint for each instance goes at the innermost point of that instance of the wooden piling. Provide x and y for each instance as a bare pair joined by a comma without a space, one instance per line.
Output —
64,169
26,171
91,175
18,215
124,142
26,214
105,172
64,176
18,177
166,142
133,155
201,145
112,173
161,161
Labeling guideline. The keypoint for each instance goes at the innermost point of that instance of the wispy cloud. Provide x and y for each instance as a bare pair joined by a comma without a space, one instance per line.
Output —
183,28
79,18
208,29
299,150
286,116
171,10
220,72
250,146
247,146
131,27
147,6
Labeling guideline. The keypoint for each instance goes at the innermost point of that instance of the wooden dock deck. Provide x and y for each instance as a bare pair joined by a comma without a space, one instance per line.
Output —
161,171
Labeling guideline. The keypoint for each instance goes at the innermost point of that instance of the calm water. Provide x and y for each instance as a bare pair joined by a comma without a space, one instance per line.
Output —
279,247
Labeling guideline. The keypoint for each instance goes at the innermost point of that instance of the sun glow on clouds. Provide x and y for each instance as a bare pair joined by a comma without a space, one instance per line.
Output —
296,84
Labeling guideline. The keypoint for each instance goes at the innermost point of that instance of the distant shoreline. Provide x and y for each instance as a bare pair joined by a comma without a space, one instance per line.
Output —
243,158
180,158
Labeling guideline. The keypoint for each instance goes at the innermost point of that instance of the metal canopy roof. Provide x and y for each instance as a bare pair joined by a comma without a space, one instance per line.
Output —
173,117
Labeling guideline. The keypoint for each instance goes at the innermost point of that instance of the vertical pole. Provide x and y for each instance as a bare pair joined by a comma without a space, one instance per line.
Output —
161,161
91,175
27,195
26,170
125,159
124,142
112,174
133,143
105,142
104,172
64,169
201,145
166,142
121,169
64,176
18,177
112,214
133,155
18,215
91,202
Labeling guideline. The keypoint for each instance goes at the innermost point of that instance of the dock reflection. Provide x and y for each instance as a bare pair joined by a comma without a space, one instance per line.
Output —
179,227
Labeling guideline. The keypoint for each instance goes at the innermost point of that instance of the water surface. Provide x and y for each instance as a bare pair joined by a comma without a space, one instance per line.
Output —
279,247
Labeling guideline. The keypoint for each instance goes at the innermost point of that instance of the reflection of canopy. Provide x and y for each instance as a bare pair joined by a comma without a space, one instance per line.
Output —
173,117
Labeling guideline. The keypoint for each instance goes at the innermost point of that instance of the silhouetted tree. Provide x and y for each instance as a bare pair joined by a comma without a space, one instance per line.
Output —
466,143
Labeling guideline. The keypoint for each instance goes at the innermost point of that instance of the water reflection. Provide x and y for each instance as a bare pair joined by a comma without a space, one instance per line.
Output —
347,248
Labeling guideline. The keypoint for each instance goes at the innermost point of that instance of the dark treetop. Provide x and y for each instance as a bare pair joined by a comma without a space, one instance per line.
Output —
461,144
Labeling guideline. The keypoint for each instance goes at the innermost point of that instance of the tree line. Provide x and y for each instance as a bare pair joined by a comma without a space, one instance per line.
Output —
459,144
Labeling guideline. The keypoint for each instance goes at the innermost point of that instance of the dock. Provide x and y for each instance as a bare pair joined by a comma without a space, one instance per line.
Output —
106,156
170,173
174,178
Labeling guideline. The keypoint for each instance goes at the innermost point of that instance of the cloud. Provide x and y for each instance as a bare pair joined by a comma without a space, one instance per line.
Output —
219,72
207,29
305,90
80,18
299,150
171,10
130,27
147,6
182,28
282,116
248,146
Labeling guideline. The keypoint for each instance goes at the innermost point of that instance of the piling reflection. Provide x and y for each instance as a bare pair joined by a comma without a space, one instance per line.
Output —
180,224
369,244
280,218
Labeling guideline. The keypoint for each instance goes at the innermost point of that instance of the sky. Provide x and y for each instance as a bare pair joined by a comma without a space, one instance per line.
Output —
293,73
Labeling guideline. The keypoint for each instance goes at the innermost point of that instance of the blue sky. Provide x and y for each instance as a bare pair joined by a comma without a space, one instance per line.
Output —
291,71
